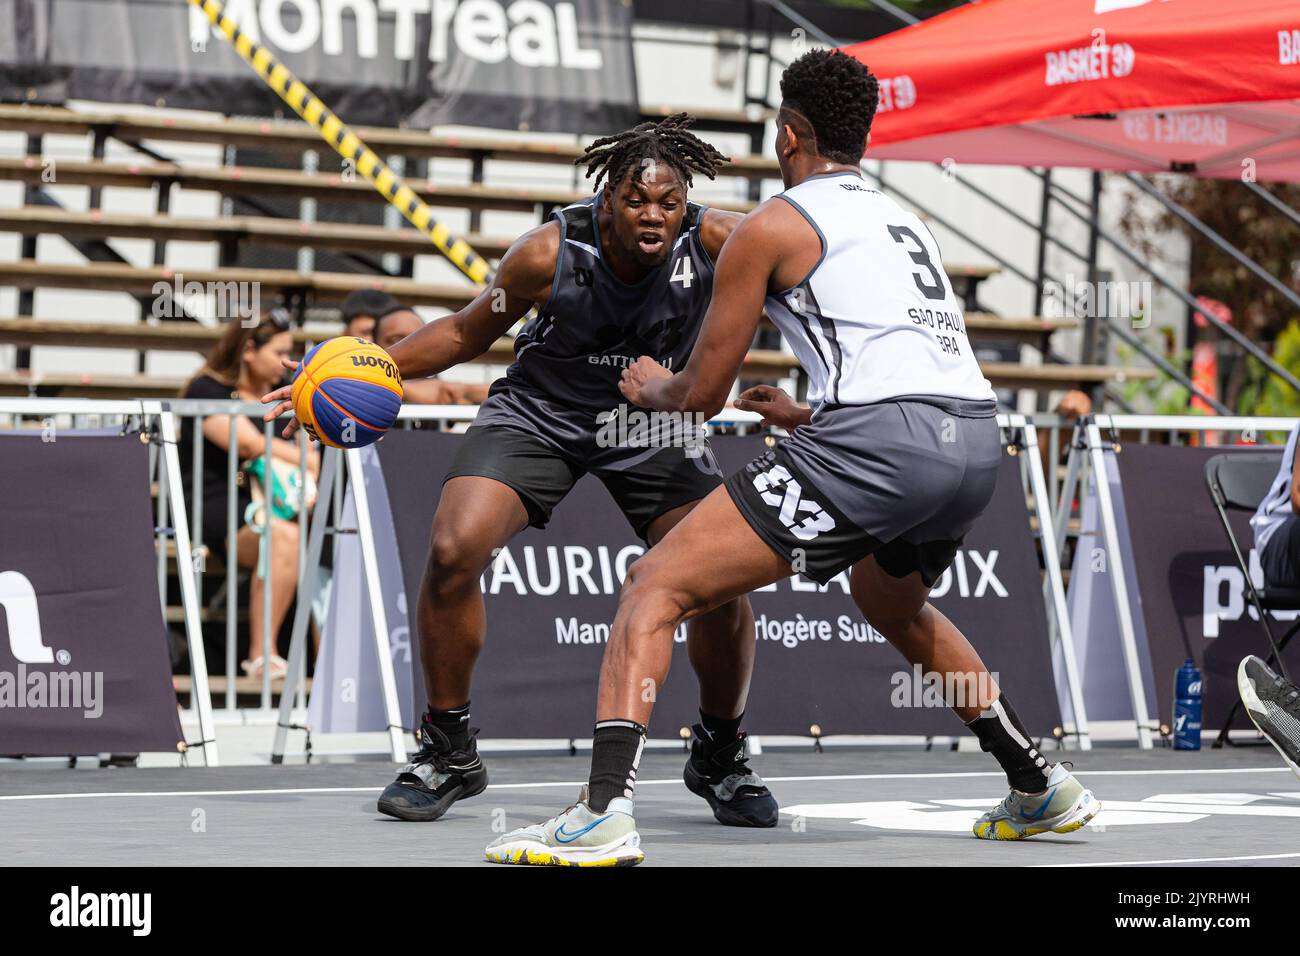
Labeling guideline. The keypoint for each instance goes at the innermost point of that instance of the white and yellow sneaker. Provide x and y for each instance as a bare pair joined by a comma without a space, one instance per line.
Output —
1065,806
577,837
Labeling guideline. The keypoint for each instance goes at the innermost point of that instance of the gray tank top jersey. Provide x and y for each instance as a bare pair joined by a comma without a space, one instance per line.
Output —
569,358
1276,506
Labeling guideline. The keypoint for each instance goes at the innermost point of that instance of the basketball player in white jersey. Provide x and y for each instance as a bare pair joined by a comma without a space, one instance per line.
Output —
886,471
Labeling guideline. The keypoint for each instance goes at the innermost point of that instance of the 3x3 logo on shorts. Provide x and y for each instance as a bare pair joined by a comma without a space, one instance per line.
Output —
805,518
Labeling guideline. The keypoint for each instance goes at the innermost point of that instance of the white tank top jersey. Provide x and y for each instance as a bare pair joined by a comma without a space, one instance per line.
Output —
876,318
1276,506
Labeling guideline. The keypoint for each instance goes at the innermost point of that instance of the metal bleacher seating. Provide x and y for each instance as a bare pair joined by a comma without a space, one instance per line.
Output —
321,289
313,294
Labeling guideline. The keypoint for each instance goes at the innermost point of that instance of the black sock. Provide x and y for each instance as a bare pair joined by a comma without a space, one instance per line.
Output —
1001,733
718,732
615,752
453,722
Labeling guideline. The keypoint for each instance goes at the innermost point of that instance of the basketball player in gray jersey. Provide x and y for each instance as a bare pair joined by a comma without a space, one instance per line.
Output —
625,273
884,474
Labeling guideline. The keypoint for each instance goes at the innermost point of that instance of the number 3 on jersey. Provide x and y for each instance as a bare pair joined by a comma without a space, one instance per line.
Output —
682,272
921,256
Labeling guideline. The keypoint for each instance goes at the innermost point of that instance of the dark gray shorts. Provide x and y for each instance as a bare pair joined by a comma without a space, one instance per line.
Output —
1280,559
644,482
903,480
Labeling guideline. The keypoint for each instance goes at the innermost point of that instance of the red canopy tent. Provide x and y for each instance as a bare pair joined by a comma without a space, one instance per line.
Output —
1198,86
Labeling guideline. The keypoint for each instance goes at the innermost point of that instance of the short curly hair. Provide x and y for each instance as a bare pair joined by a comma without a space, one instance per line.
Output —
838,95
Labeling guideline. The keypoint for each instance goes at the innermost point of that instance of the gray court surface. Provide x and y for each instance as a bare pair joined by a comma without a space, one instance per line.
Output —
855,808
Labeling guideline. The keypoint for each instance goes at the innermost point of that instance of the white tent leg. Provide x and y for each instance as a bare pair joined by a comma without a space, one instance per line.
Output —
1119,587
1058,614
1073,467
379,616
306,595
200,693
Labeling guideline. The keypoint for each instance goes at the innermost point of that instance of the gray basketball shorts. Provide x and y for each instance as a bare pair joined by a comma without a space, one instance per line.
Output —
644,483
540,447
903,480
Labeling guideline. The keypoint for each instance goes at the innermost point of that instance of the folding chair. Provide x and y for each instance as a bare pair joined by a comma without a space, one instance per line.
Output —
1239,482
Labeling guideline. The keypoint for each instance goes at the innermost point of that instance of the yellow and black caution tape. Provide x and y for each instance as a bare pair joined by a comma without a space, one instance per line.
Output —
335,132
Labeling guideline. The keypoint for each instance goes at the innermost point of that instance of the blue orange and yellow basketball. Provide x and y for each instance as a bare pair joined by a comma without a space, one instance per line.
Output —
347,392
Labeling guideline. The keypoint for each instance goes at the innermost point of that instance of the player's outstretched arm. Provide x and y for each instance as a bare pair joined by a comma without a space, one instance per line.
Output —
715,228
522,280
739,287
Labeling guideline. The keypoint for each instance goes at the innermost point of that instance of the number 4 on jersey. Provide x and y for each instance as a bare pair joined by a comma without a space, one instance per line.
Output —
682,272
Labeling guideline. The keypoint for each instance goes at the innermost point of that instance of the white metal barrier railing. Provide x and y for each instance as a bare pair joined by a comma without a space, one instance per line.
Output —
186,529
1021,433
189,417
335,462
197,413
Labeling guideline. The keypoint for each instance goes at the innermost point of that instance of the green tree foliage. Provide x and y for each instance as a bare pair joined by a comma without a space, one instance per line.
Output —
1251,224
1157,396
1265,394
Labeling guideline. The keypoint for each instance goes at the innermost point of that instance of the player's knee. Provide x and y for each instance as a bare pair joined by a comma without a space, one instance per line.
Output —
640,577
454,561
650,597
895,623
886,609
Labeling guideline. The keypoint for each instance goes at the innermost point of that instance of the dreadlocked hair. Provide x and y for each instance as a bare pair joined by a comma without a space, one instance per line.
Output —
666,141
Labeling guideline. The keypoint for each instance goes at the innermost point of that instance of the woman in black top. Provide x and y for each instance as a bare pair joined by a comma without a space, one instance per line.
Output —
244,365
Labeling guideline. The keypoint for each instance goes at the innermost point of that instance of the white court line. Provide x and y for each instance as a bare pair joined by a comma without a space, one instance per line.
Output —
1199,859
580,783
998,773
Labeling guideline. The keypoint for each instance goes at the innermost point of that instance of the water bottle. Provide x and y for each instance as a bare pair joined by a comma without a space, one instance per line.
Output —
1187,707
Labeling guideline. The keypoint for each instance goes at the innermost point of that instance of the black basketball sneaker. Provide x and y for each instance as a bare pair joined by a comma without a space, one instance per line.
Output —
720,774
1273,703
437,776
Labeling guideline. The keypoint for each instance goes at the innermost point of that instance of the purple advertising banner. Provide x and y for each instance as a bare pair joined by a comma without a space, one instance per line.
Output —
551,596
84,662
1193,595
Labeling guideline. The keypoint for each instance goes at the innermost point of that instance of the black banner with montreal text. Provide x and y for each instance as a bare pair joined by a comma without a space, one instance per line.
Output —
540,65
551,596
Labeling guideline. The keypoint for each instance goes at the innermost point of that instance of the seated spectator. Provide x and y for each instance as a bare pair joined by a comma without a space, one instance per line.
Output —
1277,532
245,365
362,308
396,325
1273,702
